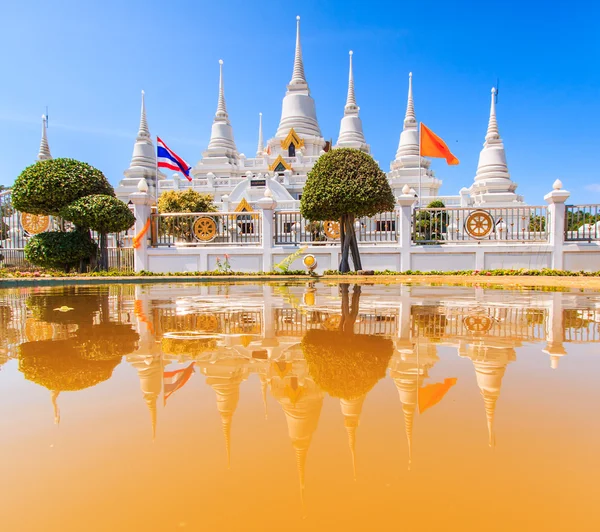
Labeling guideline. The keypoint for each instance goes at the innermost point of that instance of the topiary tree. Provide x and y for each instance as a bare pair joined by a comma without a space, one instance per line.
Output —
47,186
101,213
56,249
345,184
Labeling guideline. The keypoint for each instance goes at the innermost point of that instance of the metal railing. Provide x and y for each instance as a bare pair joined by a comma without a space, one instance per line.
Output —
292,228
206,229
582,223
469,224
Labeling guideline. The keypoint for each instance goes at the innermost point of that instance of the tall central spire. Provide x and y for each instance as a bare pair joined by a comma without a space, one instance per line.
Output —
351,106
221,107
492,131
44,153
351,131
410,119
298,73
144,131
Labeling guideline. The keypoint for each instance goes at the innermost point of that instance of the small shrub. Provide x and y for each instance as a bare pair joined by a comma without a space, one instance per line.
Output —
56,249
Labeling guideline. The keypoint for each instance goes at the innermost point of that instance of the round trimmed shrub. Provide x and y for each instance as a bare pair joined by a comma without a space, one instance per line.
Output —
56,249
99,212
47,186
345,181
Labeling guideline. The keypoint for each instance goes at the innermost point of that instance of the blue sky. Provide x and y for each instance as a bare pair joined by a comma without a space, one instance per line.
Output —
88,62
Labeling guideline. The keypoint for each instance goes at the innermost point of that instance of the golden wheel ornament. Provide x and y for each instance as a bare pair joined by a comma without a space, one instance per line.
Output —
478,324
205,229
479,224
332,229
207,322
35,223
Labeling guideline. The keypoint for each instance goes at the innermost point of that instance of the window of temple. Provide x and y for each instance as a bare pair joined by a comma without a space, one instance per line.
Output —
292,150
280,168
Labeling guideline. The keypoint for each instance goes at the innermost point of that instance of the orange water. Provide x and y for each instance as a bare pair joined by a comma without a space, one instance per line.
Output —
258,437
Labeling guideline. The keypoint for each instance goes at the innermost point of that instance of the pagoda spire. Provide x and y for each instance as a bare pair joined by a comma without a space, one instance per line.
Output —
54,396
221,107
143,160
409,138
351,106
351,410
493,184
351,131
151,403
261,145
492,131
44,154
298,72
410,119
144,131
226,419
221,142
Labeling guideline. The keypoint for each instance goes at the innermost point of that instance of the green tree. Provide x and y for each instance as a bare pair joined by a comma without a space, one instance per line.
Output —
431,225
57,249
48,186
185,201
345,184
101,213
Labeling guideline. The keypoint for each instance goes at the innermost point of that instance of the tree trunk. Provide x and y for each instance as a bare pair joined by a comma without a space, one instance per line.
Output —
103,252
353,243
344,264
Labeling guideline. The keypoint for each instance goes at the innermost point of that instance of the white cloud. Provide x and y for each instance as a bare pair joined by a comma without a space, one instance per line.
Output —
593,187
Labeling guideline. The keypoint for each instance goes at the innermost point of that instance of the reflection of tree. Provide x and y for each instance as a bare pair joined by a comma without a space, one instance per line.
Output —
342,363
106,341
189,347
58,366
85,303
573,319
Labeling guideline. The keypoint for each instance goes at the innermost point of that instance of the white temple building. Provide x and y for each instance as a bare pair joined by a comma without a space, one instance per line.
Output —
283,162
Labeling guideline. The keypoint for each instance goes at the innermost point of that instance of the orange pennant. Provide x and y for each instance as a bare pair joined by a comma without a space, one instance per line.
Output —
432,394
434,146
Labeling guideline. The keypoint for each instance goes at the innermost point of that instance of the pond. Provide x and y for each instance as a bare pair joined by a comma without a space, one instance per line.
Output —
302,406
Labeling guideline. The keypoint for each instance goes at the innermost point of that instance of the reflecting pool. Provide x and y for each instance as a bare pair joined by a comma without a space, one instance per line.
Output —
312,406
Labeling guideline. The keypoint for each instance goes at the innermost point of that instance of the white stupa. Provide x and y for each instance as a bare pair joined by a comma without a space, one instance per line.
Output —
405,168
143,161
493,186
298,110
351,130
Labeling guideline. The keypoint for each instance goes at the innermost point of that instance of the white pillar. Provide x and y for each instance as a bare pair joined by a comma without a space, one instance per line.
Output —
555,332
405,202
267,205
142,203
556,221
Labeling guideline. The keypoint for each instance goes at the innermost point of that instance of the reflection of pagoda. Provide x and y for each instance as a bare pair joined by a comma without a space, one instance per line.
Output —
490,364
225,380
351,409
301,400
150,372
408,370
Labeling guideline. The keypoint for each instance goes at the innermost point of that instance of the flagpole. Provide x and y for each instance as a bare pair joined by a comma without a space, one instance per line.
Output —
419,203
156,174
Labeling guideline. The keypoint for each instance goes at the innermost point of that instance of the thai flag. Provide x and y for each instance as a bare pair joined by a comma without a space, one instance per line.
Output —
175,380
167,158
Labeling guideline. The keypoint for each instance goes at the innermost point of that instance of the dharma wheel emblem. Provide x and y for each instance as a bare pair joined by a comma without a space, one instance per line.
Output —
478,324
332,229
205,229
35,223
479,224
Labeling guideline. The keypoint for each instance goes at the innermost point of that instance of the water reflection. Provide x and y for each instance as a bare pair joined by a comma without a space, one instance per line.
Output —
299,343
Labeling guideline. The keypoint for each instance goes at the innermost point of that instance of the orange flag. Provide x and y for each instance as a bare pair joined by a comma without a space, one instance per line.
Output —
432,394
434,146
